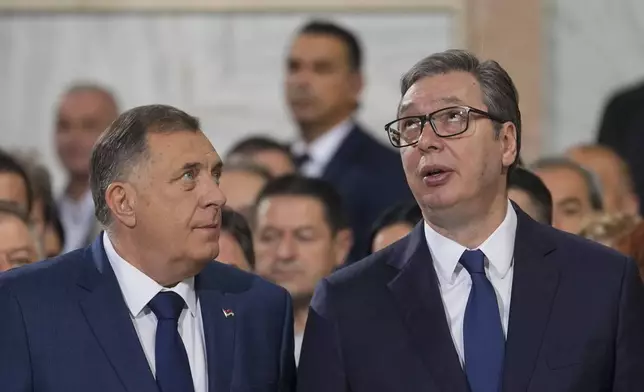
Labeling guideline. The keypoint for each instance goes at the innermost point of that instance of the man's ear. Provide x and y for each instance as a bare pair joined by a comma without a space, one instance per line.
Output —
342,245
509,144
121,200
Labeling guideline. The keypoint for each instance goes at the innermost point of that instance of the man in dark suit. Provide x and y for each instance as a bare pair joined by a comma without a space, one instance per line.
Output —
621,129
323,85
145,309
479,297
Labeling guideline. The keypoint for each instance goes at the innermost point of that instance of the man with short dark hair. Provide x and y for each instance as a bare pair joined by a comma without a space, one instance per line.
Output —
263,151
323,85
531,195
301,236
478,297
145,308
576,192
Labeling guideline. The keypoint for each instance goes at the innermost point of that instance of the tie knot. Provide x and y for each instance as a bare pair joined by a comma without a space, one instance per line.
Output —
473,261
167,305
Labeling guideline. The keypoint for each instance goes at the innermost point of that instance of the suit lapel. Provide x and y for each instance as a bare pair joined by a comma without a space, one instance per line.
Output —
219,319
417,295
533,290
108,317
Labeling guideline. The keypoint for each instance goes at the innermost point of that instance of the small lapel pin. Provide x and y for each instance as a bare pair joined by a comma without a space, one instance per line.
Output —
228,313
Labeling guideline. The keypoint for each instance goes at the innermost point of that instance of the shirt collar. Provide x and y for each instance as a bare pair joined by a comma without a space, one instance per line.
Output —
322,149
498,249
138,289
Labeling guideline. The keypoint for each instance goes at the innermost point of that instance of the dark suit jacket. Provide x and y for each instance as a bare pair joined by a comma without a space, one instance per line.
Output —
622,129
65,327
576,321
370,178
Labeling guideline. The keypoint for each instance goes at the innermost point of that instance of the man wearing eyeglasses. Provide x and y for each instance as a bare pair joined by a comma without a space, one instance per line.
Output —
479,297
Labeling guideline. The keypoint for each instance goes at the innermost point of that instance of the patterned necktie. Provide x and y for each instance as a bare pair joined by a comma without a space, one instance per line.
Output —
172,366
483,336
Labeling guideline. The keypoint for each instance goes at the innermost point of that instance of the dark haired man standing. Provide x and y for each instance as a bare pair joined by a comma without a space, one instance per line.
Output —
145,308
323,85
301,236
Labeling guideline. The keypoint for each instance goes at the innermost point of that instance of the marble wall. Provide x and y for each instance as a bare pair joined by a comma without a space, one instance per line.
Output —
594,47
225,68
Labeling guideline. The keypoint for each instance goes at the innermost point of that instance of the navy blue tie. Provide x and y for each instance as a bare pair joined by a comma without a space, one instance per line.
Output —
483,336
172,366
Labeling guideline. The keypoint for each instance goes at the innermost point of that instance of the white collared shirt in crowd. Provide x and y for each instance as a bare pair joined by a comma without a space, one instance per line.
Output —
321,150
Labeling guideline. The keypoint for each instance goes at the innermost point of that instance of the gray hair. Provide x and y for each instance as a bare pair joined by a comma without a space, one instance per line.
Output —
590,178
499,93
124,144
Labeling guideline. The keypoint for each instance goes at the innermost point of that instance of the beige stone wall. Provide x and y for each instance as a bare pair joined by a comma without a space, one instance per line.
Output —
508,31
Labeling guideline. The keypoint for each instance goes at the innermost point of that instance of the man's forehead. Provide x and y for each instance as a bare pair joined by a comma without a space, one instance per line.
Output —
317,47
455,88
286,204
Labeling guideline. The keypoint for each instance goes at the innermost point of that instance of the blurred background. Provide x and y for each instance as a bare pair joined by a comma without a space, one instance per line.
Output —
223,60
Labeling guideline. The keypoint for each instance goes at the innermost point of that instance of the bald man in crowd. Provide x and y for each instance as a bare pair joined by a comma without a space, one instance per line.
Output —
576,192
83,113
617,185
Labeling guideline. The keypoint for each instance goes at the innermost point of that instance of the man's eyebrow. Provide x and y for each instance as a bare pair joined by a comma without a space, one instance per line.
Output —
190,166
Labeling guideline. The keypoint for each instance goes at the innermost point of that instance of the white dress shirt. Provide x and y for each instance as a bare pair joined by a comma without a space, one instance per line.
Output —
138,289
77,219
322,149
299,338
455,282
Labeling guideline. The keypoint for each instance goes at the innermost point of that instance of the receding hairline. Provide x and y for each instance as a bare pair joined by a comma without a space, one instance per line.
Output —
102,91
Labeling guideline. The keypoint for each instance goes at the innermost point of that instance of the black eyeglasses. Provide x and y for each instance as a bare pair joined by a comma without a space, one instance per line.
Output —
446,122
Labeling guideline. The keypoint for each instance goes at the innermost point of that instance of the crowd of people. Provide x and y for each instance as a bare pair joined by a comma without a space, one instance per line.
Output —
324,246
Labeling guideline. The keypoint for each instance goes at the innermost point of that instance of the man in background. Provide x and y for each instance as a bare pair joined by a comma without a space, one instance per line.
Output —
323,85
44,213
300,236
622,129
15,185
576,193
18,240
84,111
241,181
263,151
531,195
236,241
618,190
